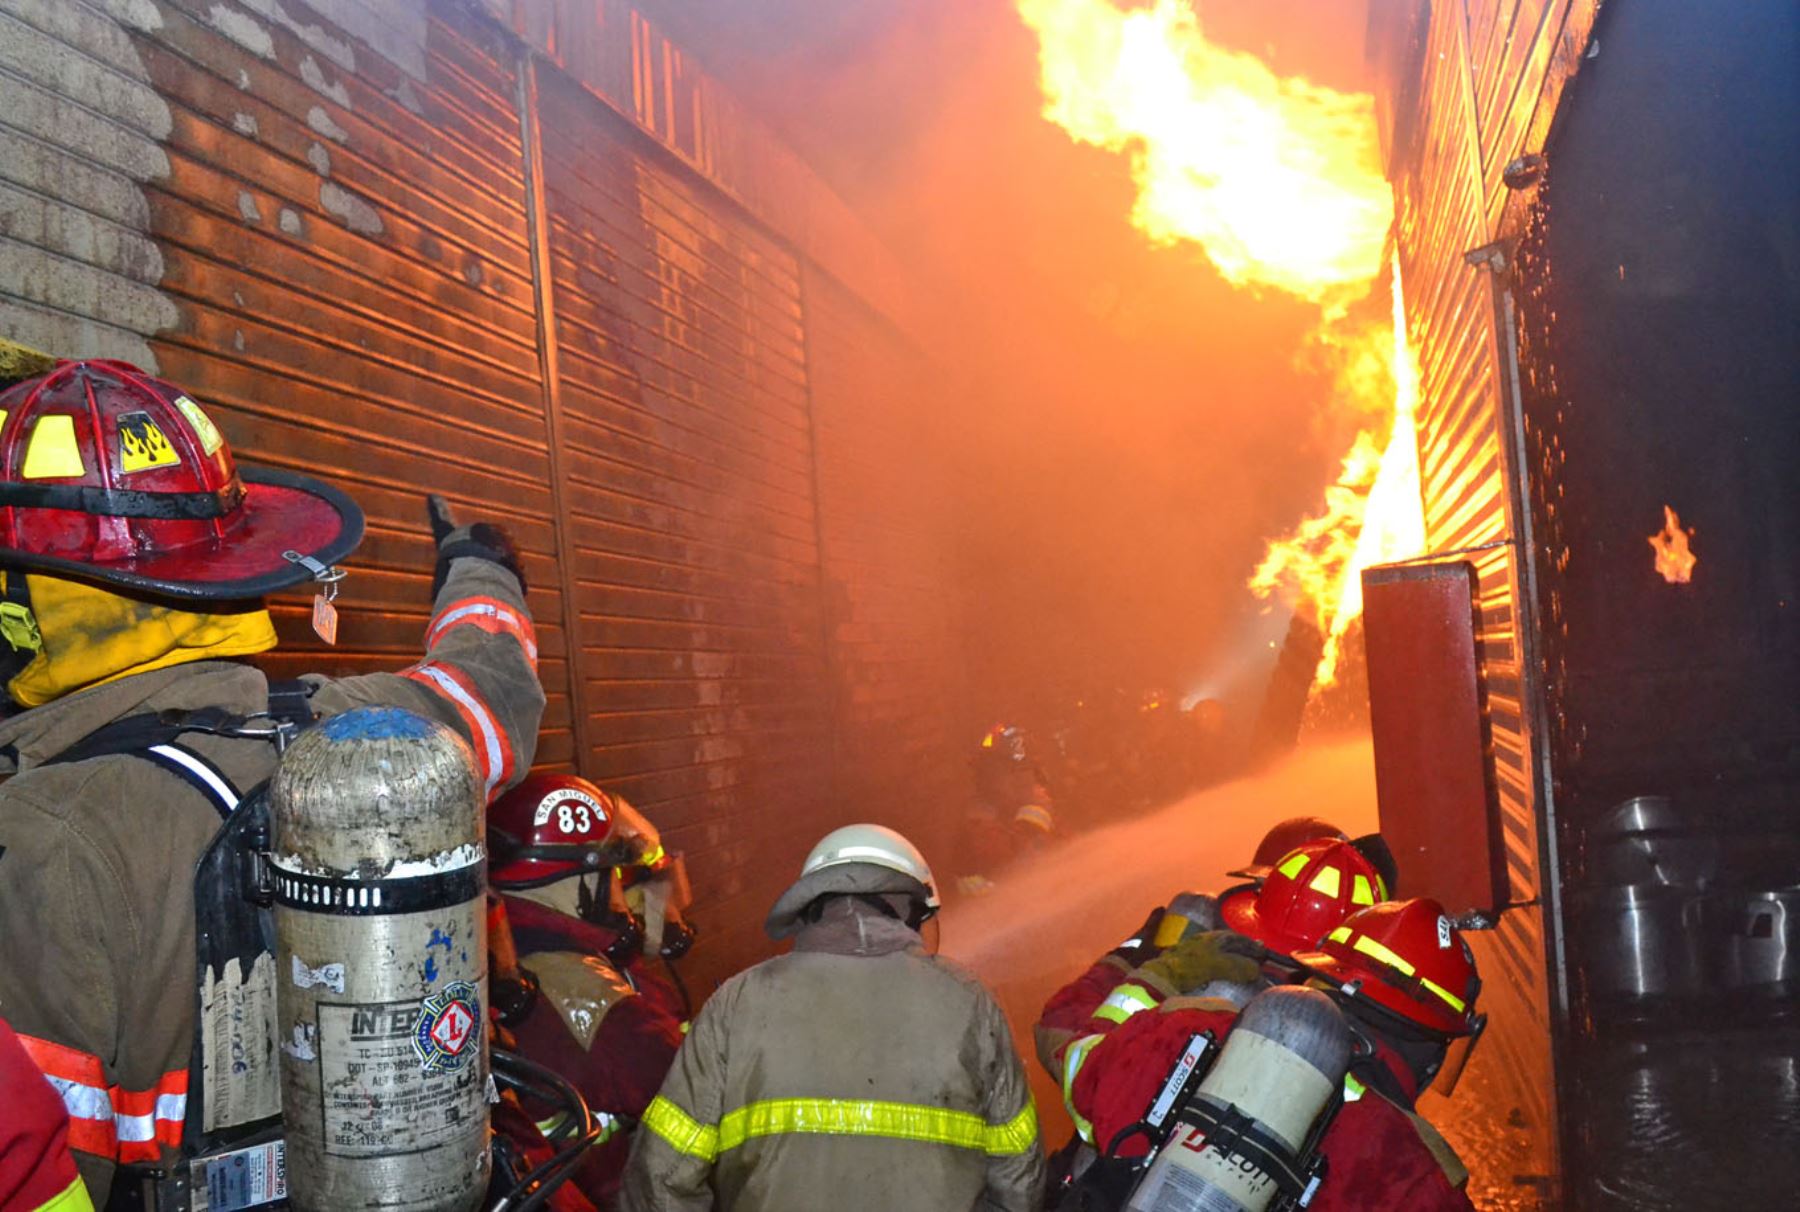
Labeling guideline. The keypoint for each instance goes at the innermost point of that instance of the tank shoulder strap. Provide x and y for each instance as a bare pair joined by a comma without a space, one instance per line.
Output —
1455,1172
154,736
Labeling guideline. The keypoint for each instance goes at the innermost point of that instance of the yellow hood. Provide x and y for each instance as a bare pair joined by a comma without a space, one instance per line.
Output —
92,636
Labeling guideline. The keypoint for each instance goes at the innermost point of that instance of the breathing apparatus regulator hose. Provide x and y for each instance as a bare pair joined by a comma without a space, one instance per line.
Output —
577,1132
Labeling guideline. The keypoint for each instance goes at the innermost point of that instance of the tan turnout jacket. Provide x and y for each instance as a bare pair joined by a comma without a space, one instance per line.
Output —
97,944
864,1074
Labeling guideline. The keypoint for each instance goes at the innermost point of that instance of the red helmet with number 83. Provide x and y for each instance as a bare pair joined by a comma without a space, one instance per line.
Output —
553,826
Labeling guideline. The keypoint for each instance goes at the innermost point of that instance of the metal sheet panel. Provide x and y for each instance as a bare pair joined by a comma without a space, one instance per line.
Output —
682,375
1473,56
887,517
1426,714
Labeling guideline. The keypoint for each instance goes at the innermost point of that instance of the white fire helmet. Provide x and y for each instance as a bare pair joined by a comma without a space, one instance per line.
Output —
876,844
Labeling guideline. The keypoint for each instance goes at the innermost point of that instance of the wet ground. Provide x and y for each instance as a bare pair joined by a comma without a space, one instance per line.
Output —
1048,921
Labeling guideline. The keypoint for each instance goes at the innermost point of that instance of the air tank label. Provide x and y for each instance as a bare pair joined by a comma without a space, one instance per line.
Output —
380,1097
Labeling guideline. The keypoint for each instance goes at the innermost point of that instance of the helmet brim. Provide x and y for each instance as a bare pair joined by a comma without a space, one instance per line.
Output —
283,511
1238,910
845,879
1331,968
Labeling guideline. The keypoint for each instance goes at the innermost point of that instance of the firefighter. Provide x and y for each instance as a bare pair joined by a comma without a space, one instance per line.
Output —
1204,947
859,1070
1011,815
1406,981
1115,985
1280,840
37,1172
134,554
593,1011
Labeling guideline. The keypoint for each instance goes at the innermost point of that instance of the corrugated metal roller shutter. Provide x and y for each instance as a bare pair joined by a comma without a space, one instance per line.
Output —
347,247
885,505
689,459
1451,315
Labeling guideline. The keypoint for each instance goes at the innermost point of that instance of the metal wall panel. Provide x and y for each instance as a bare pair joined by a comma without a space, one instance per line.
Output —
1483,64
887,517
346,245
682,373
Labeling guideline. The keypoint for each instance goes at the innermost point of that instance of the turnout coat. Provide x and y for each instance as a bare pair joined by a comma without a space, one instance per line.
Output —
856,1071
97,857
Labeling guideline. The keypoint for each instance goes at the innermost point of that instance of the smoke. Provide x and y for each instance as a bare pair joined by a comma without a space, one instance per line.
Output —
1128,427
1050,919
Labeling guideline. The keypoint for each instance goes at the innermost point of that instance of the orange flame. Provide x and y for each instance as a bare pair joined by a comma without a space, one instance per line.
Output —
1674,561
1280,182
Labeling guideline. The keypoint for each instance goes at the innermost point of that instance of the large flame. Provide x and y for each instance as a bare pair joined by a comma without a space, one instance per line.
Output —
1278,179
1280,182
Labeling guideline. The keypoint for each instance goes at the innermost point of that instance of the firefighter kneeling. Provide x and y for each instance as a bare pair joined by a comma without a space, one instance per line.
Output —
1405,981
586,1004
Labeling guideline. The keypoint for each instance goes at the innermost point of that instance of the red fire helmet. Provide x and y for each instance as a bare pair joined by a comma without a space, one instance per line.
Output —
554,826
1281,839
1406,956
1309,892
110,474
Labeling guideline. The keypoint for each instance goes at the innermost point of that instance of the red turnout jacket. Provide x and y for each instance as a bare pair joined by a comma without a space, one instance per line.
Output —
1379,1154
37,1171
630,1051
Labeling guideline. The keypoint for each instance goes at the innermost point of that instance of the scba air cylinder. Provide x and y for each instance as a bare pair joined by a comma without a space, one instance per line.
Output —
381,965
1284,1059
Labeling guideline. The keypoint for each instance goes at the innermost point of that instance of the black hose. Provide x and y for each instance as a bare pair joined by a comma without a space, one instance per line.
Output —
546,1085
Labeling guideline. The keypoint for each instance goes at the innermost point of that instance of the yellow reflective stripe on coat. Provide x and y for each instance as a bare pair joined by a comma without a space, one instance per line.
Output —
840,1117
1072,1061
684,1133
1123,1002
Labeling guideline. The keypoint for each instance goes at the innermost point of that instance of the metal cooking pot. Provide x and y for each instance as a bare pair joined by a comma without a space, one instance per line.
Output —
1759,937
1647,840
1643,941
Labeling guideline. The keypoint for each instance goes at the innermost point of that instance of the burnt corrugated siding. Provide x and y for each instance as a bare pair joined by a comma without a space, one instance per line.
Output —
887,511
1487,82
321,218
683,393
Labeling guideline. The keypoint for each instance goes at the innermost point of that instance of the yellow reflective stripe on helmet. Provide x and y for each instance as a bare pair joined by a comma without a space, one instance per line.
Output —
1340,935
840,1117
684,1133
1072,1061
1294,865
1360,893
52,453
1369,946
1456,1002
1124,1002
1327,881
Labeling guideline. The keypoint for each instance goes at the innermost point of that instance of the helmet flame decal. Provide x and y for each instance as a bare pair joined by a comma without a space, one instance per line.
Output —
1279,182
143,446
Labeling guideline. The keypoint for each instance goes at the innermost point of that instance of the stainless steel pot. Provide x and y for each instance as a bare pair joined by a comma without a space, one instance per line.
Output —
1647,840
1644,941
1758,934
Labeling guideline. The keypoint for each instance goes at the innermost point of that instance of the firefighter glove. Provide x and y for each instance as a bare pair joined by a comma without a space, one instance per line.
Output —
1199,960
482,541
